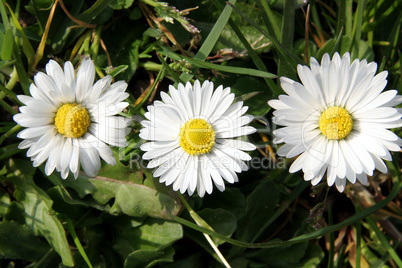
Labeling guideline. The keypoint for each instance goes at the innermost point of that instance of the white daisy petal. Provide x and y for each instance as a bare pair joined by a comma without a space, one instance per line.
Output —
66,123
85,78
190,133
338,121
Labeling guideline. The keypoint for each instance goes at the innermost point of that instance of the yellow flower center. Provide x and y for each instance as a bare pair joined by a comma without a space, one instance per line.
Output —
197,137
72,120
336,123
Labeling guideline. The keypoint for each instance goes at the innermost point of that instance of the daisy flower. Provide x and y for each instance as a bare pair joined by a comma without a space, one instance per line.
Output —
191,137
337,121
69,120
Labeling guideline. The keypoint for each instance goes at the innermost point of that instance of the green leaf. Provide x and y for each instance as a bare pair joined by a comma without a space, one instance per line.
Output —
280,257
156,233
148,258
247,84
26,45
261,204
285,68
123,46
38,209
4,203
18,242
121,4
15,212
231,200
7,48
130,197
117,70
313,256
226,39
66,205
365,52
152,235
222,221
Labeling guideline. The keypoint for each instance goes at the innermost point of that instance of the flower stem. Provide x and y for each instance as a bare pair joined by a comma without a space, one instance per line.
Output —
200,222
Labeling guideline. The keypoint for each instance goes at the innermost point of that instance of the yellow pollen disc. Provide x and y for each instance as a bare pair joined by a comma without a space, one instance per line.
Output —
336,123
197,137
72,120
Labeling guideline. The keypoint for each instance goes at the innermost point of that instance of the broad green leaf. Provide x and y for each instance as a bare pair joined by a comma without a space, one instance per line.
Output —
4,203
130,197
15,212
231,200
312,257
260,207
148,258
155,234
281,257
66,205
38,209
152,234
222,221
18,242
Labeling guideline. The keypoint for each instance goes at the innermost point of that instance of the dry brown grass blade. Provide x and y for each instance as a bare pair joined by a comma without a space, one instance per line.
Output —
151,18
145,93
41,47
268,148
81,23
307,26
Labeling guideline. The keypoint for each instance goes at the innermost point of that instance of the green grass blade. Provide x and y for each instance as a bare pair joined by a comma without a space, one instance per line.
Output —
337,46
158,78
357,28
290,56
170,71
254,56
287,33
94,10
341,17
305,237
6,92
358,243
331,252
268,18
230,69
384,241
77,242
223,68
314,15
9,133
211,39
26,45
390,51
301,238
256,59
367,25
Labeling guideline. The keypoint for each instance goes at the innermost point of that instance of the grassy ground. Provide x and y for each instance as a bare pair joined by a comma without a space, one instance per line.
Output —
124,217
